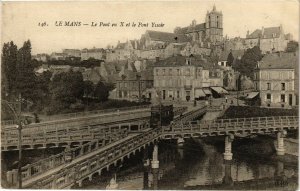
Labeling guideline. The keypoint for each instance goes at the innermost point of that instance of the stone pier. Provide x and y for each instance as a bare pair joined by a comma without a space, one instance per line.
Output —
280,143
228,147
155,167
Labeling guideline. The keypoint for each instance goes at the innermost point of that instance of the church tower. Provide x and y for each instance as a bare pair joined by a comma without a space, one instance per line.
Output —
214,25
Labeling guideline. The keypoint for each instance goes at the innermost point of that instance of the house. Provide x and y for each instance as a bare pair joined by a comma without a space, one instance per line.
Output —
96,53
276,80
72,52
183,78
270,39
131,85
158,39
41,57
196,48
58,56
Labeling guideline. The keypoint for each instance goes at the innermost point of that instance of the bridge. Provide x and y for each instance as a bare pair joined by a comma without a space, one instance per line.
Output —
42,168
105,127
90,159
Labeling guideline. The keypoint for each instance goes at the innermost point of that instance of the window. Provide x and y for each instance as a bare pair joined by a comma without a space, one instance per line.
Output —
178,72
268,86
188,72
164,71
282,98
157,72
282,86
268,96
170,72
177,94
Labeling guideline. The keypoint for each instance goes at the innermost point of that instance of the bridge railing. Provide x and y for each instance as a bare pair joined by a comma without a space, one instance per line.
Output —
190,115
235,124
108,118
9,140
41,166
99,160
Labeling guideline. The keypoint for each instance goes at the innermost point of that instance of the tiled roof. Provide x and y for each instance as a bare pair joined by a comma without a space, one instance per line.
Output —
277,61
268,32
167,37
255,34
132,76
181,61
188,29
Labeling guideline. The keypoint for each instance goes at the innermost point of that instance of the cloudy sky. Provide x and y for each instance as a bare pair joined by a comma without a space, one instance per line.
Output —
20,20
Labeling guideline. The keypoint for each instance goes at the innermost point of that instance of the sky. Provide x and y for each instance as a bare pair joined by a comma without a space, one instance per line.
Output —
20,20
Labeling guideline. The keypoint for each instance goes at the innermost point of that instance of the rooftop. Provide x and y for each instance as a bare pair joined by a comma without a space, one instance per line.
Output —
181,61
279,60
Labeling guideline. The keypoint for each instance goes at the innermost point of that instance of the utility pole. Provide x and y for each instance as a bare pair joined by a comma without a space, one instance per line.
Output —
20,141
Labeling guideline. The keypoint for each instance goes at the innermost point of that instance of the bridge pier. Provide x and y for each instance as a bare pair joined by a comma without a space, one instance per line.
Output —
228,147
155,167
227,177
280,143
146,170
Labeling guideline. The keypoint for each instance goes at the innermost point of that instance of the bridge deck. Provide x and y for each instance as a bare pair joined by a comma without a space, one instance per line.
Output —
75,161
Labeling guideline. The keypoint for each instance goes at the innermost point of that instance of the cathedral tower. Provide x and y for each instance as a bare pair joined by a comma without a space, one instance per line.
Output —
214,25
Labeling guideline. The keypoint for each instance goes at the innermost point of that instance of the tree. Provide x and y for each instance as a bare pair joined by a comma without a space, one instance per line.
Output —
8,68
66,88
230,59
101,91
248,62
88,89
25,77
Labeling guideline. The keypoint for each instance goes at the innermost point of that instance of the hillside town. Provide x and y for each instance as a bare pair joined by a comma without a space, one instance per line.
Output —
190,63
188,109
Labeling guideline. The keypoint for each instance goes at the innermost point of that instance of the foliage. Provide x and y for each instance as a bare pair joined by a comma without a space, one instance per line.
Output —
101,91
8,68
88,88
245,111
91,62
230,59
248,62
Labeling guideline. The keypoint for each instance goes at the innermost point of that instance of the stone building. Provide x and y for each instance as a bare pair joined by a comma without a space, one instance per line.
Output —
130,84
276,80
96,53
72,52
270,39
183,78
211,30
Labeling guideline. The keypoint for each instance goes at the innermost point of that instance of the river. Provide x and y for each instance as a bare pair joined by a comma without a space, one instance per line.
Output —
199,164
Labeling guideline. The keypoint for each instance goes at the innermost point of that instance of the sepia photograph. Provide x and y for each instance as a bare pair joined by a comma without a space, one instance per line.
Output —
150,95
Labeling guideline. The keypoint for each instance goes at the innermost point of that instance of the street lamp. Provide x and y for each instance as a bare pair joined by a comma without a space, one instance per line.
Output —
17,116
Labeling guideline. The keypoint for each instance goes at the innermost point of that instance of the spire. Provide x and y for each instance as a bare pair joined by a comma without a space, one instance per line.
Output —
214,8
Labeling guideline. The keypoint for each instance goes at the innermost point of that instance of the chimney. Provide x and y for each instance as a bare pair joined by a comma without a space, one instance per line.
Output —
248,33
262,31
279,54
